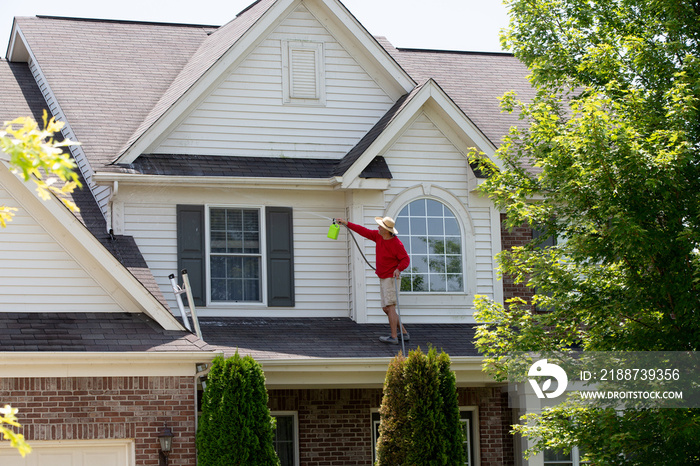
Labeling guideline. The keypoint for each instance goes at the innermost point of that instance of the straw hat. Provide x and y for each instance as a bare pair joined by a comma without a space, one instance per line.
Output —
387,223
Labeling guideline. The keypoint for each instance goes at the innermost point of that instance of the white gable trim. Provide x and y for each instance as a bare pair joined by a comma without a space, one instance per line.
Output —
331,13
85,249
443,111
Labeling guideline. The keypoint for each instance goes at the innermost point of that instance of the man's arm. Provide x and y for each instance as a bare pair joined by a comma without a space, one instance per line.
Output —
359,229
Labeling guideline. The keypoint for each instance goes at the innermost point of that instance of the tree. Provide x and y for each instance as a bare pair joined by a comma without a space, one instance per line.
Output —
608,161
236,427
37,155
8,416
420,422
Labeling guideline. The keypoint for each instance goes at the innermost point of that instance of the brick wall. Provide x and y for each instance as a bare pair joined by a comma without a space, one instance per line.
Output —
82,408
519,236
495,440
335,424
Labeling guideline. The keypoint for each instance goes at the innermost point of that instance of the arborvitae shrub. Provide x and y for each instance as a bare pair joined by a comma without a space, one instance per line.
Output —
236,427
420,423
392,444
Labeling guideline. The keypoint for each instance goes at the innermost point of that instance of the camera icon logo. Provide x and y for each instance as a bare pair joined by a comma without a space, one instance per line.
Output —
542,368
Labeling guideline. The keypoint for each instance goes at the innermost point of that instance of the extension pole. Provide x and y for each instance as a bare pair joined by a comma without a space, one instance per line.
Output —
398,311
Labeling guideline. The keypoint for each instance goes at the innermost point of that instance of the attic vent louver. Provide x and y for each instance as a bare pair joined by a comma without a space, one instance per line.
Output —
304,76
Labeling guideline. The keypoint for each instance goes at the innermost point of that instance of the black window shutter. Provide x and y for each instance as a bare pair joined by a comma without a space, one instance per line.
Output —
190,248
280,257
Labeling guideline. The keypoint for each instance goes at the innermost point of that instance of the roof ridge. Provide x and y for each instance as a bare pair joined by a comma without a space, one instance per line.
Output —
126,21
456,52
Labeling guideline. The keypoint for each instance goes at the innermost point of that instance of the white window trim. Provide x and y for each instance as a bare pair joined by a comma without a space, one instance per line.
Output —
295,415
263,259
423,191
575,458
475,432
319,53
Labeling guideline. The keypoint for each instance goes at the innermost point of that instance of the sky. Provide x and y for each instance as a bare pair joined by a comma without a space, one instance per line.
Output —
468,25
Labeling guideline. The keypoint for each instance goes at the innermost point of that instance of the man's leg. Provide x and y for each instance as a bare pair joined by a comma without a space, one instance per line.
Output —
390,311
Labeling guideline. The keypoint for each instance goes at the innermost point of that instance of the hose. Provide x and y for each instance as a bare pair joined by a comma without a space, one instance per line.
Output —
358,246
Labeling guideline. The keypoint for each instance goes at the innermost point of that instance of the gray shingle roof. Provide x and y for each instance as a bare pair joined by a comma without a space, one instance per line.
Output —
198,165
262,338
108,75
202,165
91,332
19,93
356,152
270,338
474,81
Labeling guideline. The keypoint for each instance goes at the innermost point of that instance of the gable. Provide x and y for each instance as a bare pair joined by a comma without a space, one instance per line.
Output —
38,274
206,70
299,93
69,247
427,98
424,154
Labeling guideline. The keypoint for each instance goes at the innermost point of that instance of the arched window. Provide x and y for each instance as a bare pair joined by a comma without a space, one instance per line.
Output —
432,236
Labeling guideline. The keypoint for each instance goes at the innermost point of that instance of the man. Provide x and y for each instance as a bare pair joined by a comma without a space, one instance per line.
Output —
392,258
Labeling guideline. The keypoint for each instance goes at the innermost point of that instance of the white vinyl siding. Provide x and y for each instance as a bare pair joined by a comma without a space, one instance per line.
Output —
481,218
38,275
246,114
423,157
320,264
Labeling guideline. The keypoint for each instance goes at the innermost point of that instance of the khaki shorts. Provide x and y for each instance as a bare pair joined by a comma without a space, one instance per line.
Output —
388,291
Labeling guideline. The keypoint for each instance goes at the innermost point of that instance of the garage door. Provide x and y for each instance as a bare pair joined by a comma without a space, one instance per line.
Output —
70,453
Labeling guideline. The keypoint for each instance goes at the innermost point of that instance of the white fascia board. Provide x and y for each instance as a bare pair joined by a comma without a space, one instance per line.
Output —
177,112
17,50
363,46
102,364
85,249
356,372
126,179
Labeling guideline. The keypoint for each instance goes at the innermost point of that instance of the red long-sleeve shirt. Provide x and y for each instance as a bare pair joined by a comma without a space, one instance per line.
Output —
391,254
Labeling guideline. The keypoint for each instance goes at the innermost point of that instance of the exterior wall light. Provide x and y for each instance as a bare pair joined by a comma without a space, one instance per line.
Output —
166,444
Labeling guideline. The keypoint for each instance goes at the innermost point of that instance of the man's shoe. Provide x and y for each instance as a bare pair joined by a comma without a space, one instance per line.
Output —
389,339
406,337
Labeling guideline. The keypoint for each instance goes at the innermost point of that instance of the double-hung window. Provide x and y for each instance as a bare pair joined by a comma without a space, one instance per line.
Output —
286,438
558,458
235,254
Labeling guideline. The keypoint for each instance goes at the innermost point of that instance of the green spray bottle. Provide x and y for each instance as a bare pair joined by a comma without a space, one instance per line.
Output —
333,230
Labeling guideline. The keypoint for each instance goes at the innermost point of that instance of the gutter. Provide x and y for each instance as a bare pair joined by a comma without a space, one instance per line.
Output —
101,364
357,372
226,181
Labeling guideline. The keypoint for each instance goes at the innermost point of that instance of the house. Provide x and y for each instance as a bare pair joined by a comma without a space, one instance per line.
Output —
226,151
